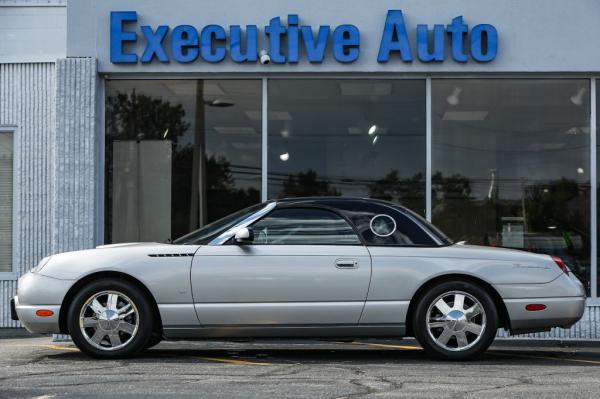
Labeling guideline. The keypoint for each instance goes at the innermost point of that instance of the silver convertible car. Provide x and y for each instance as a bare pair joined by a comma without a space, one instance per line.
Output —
330,268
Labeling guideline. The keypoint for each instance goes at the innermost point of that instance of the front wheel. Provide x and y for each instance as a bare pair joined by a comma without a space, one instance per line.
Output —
110,318
455,321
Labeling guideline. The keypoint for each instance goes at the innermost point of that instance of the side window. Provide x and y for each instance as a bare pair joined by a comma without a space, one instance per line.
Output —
303,226
384,225
392,228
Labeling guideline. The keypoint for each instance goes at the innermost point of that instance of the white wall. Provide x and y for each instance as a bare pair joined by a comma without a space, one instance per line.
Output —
534,35
32,33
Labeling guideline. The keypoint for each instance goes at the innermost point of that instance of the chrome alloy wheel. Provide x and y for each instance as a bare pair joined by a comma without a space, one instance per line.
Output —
109,320
456,321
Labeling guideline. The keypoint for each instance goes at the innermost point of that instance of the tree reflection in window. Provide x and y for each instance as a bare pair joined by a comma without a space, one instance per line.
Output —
188,154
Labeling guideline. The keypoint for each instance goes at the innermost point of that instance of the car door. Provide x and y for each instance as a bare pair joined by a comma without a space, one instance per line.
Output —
304,266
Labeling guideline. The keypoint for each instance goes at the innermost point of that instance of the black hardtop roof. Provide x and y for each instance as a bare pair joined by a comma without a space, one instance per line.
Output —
327,200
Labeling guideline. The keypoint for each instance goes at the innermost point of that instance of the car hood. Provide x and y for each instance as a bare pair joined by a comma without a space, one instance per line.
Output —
131,258
132,244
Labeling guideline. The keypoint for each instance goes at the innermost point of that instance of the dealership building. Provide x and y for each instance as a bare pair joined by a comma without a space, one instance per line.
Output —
143,120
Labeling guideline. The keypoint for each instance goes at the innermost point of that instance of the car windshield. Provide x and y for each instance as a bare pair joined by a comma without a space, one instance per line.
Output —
205,234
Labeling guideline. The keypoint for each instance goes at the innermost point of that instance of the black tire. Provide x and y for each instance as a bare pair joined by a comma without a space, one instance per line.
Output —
431,342
135,342
154,340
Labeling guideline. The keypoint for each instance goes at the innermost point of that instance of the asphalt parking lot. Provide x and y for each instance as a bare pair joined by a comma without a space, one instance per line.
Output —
40,368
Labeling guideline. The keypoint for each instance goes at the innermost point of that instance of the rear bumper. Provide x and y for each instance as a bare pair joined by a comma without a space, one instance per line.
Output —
564,298
560,312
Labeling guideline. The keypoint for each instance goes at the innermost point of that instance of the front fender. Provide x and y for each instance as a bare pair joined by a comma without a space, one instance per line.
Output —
163,269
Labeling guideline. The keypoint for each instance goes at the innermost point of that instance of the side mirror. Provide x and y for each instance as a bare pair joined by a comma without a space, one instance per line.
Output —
244,235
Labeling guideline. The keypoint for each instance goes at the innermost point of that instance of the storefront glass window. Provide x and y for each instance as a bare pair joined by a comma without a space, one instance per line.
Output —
362,138
179,154
510,163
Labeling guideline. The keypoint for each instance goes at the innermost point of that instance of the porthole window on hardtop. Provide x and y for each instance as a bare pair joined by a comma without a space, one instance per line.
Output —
383,225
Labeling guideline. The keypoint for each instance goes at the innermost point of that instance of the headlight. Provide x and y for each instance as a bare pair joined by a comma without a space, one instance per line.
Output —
40,265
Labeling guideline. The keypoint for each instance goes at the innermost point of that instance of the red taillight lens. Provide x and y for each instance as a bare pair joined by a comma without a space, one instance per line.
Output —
534,307
562,265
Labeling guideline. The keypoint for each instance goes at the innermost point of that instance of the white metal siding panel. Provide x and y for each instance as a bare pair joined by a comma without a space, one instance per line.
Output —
75,155
27,104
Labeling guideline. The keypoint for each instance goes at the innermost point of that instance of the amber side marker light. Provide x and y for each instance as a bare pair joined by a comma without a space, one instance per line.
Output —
534,307
44,313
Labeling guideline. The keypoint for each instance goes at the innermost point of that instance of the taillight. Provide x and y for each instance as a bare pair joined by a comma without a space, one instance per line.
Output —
562,265
535,307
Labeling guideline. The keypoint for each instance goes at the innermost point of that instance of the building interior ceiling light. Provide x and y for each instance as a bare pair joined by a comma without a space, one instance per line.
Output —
219,103
285,156
372,129
572,131
454,98
465,115
577,99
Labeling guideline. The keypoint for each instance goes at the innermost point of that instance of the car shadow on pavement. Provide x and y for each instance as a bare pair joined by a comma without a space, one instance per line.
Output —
274,356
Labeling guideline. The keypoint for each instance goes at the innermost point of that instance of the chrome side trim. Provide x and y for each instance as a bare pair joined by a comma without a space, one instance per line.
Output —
221,239
170,255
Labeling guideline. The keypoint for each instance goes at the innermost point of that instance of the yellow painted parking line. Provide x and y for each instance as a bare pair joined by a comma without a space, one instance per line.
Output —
47,346
403,347
233,361
564,359
57,347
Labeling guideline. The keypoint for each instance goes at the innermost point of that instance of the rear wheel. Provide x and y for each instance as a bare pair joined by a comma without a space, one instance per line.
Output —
455,321
110,318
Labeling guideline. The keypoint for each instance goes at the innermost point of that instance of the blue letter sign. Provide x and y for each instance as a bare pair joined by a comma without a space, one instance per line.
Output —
394,38
118,36
288,41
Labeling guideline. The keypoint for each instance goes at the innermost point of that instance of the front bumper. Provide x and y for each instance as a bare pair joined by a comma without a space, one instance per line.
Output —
37,324
37,292
13,310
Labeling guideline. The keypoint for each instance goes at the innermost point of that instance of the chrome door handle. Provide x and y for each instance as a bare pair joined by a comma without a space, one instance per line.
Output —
346,263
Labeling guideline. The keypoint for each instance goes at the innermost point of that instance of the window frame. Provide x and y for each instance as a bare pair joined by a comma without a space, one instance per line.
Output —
13,274
279,207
